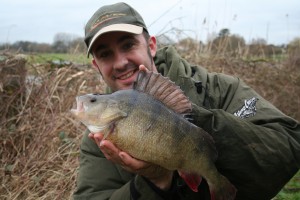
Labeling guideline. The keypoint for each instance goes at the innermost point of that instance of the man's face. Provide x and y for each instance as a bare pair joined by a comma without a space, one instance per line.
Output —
118,56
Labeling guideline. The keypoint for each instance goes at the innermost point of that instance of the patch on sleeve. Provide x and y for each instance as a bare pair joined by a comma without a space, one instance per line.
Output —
248,109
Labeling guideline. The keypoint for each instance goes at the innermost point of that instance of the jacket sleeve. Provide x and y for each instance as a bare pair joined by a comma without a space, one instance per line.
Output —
100,179
258,153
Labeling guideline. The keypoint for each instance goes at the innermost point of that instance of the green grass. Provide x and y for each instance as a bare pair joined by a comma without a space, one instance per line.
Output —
291,190
43,58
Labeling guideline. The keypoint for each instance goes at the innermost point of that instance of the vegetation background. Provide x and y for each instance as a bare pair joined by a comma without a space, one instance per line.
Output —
39,139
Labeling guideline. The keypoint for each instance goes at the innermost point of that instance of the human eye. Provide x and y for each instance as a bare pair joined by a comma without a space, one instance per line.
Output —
128,45
103,54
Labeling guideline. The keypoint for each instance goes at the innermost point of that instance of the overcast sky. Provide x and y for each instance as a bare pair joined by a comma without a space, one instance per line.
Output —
276,21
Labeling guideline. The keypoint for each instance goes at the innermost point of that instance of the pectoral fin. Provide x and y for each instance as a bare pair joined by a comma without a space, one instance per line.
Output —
106,119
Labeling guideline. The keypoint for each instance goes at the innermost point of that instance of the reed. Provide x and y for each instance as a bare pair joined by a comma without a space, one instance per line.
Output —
39,140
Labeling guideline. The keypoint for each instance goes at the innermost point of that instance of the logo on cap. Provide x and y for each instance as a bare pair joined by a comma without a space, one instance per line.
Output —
105,18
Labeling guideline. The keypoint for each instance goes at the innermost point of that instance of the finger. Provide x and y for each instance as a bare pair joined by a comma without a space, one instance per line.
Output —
109,146
94,136
98,136
91,136
110,151
132,163
143,68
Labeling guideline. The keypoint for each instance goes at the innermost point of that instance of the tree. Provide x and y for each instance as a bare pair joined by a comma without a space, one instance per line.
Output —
228,44
294,52
77,45
259,47
225,32
62,42
259,41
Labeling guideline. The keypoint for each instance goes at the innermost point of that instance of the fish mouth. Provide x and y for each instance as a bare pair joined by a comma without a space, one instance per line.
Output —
78,106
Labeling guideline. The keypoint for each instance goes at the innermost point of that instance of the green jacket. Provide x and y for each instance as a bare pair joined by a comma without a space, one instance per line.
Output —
258,146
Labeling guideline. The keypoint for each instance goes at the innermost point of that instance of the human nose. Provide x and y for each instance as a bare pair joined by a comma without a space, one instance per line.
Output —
120,61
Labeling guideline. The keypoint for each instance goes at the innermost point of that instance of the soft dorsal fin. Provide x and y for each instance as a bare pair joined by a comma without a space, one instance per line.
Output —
164,90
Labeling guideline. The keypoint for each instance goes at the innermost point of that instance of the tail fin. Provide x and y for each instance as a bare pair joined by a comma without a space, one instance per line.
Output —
222,190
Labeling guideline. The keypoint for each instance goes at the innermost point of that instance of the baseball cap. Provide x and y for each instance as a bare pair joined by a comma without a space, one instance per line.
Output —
115,17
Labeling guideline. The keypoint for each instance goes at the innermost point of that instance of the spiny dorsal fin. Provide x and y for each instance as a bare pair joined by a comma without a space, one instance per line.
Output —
164,90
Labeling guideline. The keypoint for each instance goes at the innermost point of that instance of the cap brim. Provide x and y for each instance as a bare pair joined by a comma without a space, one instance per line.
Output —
129,28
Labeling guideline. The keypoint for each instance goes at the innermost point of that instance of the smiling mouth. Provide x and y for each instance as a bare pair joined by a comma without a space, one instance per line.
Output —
126,75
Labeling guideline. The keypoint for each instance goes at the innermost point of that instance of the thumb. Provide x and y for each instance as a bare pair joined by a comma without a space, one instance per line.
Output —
143,68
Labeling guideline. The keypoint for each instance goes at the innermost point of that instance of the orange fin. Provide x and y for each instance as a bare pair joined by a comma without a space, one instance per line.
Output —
164,90
191,179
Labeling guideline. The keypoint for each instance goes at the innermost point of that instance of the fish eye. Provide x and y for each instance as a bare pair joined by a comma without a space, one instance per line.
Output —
93,100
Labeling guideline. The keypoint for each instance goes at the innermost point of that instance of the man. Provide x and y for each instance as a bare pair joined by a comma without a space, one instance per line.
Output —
258,146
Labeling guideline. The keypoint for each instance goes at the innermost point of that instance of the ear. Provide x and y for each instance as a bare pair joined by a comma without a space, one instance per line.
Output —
152,45
96,66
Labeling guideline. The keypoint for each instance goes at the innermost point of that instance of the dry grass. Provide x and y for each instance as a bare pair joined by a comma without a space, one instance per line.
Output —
277,80
39,140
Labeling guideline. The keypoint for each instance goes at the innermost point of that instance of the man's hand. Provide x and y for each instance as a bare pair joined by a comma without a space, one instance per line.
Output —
159,176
